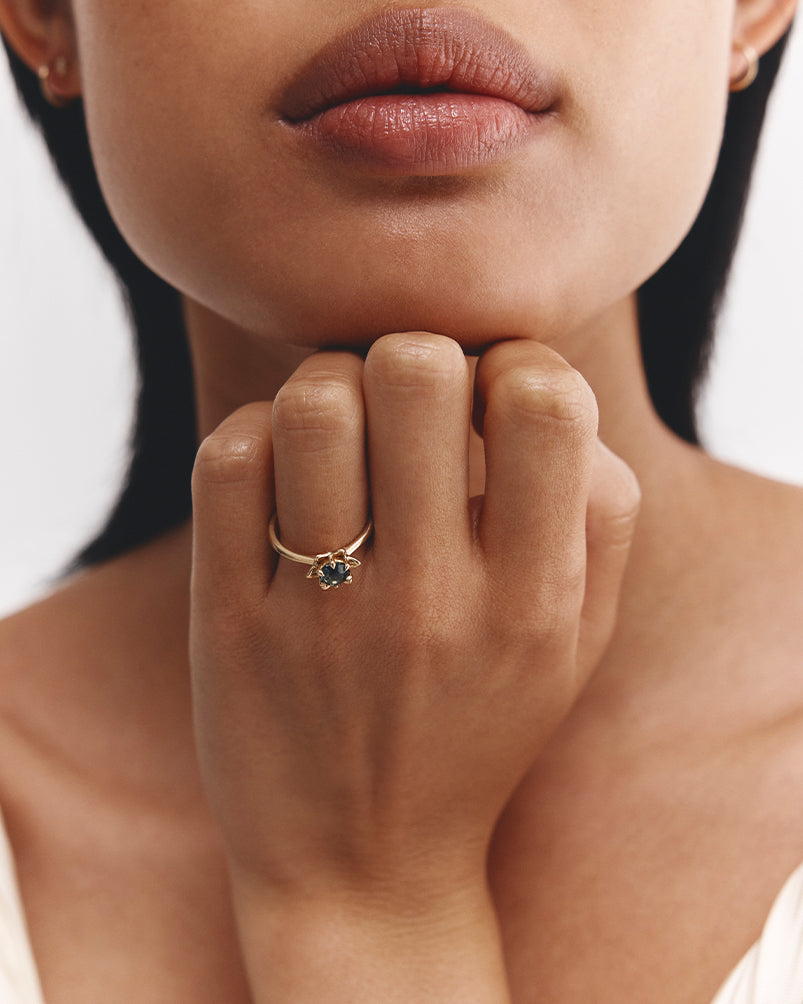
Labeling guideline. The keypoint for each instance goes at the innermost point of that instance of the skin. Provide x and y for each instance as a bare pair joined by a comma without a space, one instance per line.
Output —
510,687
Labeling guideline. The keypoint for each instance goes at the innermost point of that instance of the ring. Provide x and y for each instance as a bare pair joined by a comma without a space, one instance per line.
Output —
333,568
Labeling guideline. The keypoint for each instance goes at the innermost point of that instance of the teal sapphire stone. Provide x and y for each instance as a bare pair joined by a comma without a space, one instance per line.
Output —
334,574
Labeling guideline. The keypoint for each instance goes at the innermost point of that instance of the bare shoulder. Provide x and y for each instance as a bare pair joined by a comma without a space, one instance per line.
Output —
762,522
40,639
60,654
713,603
49,638
755,559
42,649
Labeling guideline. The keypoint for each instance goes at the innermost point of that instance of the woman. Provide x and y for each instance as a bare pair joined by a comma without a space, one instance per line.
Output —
543,746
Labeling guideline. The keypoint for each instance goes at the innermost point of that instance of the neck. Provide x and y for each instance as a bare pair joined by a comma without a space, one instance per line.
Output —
233,367
608,354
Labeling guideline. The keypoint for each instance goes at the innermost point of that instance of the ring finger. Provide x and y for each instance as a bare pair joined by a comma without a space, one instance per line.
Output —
319,458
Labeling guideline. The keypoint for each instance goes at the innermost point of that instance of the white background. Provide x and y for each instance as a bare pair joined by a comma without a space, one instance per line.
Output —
66,380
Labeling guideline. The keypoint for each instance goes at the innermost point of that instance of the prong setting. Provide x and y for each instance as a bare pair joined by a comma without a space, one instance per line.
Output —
333,569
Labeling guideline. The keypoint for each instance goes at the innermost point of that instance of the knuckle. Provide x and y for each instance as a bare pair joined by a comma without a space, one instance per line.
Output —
415,360
554,621
558,395
613,512
556,634
512,629
559,596
629,493
546,620
542,632
440,626
229,458
311,413
615,528
561,589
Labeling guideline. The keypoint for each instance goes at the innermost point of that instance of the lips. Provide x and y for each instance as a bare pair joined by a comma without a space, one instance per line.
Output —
419,91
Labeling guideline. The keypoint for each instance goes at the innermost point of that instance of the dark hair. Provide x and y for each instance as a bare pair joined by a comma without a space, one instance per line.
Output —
678,306
156,495
677,311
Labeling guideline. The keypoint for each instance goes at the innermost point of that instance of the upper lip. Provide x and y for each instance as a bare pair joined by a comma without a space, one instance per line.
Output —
419,49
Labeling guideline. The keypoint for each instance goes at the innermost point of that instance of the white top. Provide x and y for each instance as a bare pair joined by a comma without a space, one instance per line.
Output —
770,973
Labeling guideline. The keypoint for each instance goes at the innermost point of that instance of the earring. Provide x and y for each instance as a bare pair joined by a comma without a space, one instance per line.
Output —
48,74
742,82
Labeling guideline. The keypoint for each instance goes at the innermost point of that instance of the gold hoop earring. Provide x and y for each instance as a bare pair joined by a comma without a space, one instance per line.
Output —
47,73
742,82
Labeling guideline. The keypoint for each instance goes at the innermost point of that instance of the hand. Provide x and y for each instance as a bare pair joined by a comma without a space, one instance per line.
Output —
360,744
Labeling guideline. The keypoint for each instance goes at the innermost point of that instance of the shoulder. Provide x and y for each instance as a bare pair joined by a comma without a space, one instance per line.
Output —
114,605
42,651
758,527
757,616
62,658
43,641
31,641
758,499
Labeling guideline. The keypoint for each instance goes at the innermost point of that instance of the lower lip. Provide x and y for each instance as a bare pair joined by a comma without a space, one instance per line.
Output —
422,134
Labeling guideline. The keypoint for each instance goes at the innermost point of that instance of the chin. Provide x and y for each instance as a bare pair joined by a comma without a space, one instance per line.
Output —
474,321
476,307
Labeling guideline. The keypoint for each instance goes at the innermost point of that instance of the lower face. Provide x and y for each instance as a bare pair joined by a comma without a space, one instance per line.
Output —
320,236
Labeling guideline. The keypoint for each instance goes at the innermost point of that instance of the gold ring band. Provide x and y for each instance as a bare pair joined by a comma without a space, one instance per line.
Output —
332,568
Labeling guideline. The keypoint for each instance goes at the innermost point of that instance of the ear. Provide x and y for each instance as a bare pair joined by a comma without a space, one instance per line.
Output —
42,34
757,24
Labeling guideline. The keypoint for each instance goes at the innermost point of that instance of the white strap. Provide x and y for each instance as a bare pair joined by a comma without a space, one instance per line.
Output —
19,982
772,971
